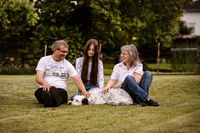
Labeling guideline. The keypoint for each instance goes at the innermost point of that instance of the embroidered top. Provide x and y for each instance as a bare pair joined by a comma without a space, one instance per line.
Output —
100,75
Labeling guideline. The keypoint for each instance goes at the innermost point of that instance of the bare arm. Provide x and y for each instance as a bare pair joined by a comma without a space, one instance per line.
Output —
80,85
111,84
40,80
137,77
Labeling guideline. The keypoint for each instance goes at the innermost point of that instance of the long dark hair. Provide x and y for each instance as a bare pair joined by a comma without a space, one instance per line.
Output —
95,62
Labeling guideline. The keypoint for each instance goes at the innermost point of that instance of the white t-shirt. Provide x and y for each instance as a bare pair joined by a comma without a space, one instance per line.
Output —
120,71
56,72
100,76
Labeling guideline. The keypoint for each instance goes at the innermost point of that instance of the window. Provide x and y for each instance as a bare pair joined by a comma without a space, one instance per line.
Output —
192,27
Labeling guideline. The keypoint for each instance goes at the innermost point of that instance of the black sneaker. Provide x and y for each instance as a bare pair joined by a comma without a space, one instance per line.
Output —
47,100
56,96
150,102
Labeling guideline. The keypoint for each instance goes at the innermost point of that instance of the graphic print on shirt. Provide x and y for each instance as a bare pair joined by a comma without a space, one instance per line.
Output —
56,70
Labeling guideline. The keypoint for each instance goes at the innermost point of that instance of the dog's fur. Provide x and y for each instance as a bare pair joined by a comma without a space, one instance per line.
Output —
114,97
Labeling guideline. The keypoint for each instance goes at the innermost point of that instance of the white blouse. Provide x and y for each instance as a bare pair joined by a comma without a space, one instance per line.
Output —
120,71
100,75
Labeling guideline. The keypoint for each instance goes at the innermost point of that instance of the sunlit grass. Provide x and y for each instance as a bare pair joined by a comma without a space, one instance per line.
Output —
179,96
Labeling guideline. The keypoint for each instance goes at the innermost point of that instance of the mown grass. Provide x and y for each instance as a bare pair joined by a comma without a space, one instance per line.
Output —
162,67
179,96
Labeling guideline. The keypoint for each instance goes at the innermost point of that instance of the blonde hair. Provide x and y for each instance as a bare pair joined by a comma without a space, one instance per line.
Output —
132,51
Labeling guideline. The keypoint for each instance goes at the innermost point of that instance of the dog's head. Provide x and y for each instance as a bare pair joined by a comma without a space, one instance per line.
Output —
79,100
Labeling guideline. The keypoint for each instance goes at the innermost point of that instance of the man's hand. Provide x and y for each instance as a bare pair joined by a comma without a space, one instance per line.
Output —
40,80
46,86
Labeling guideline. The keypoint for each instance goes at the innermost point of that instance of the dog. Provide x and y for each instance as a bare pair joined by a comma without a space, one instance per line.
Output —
115,96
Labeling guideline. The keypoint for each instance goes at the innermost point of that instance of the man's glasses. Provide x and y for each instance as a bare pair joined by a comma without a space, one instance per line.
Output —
64,52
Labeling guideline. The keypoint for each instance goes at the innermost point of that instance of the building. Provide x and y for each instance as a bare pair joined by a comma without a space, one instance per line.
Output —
192,16
185,48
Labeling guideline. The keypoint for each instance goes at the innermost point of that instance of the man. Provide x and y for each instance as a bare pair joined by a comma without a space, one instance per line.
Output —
52,73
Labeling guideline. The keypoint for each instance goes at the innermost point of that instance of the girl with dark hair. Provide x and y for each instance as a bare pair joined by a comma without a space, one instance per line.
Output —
90,67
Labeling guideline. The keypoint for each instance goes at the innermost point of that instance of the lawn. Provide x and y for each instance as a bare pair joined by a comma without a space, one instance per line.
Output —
179,96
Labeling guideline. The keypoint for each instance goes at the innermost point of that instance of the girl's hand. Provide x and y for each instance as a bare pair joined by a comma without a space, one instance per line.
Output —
86,93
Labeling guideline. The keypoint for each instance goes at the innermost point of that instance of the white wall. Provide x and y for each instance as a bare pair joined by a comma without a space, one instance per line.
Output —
193,20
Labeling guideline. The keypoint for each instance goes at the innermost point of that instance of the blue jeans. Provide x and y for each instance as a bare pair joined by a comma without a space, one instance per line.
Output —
139,93
88,86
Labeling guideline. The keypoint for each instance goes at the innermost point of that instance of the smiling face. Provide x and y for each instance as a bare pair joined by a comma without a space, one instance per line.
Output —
60,50
125,57
91,50
129,55
60,53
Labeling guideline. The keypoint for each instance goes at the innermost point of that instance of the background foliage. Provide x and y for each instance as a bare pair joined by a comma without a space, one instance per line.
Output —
28,26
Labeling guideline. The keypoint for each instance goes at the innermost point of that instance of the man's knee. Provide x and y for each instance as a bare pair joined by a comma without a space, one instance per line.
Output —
38,95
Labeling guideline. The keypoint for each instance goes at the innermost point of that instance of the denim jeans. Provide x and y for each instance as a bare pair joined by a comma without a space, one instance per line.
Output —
88,86
139,92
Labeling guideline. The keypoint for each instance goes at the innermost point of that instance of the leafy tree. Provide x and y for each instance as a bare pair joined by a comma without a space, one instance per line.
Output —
54,24
77,23
16,17
183,29
112,22
157,22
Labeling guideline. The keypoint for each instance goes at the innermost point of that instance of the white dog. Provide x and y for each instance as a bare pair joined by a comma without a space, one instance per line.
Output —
113,97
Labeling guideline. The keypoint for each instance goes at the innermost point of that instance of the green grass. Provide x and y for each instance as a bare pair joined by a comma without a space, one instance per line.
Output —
179,96
108,68
162,67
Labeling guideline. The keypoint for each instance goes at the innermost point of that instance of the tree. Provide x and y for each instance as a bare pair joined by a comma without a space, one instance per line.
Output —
54,24
183,29
76,23
158,22
16,17
112,22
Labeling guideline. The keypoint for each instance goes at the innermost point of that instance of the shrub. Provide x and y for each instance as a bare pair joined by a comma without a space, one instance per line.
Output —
15,69
184,60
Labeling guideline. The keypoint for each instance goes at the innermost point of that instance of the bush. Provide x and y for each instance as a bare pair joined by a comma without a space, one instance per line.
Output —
184,61
14,69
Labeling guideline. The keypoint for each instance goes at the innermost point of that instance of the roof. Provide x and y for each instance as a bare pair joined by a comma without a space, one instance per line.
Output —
187,36
193,7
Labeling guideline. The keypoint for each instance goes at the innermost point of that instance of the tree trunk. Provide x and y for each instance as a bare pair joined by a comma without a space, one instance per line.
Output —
158,57
45,49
